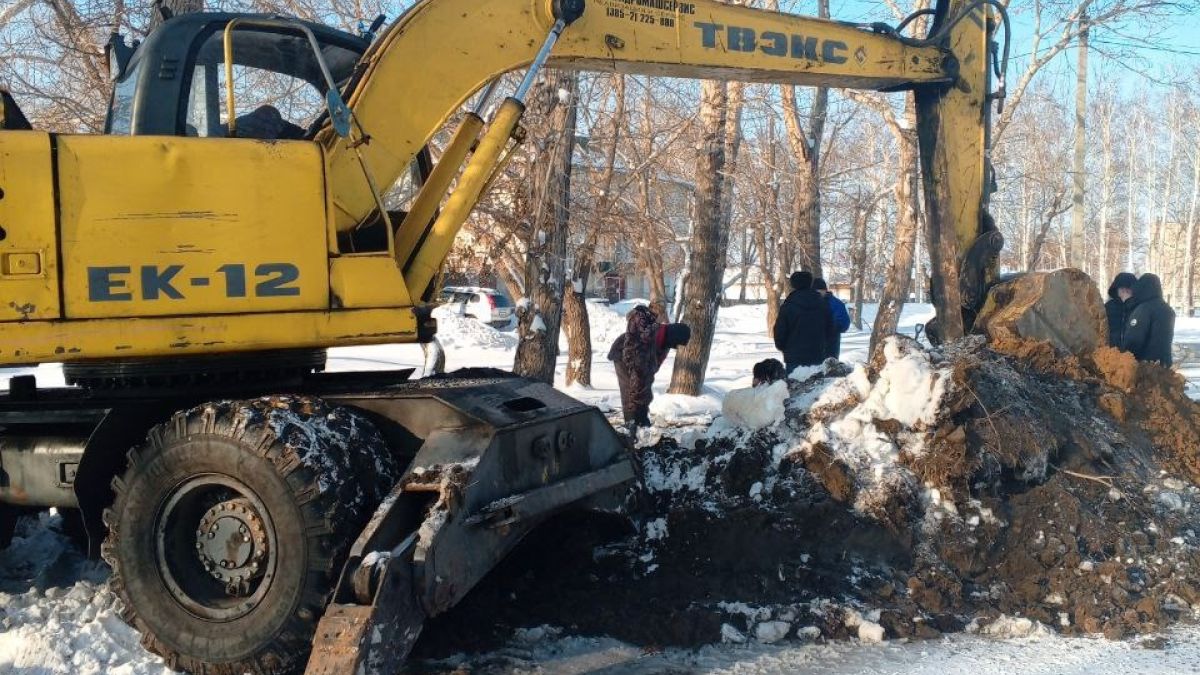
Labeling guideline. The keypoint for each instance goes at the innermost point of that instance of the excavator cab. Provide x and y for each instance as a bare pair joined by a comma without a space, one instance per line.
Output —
175,83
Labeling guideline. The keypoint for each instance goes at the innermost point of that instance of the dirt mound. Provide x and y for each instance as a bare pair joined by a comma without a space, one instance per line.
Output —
926,492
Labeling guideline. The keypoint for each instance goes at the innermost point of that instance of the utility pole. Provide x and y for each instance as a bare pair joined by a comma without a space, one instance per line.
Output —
1075,249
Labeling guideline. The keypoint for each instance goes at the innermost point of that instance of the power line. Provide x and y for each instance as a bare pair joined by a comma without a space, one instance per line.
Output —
1156,48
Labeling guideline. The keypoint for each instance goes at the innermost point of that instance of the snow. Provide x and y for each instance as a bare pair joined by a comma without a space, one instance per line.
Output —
770,632
675,408
756,407
1013,627
964,654
57,614
908,390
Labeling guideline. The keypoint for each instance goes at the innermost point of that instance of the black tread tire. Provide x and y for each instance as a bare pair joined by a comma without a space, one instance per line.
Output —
320,471
8,525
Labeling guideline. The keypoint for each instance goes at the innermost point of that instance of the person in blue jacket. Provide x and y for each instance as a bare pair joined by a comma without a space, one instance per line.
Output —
841,318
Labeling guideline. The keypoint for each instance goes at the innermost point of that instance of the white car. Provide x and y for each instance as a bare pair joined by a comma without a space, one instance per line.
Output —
487,305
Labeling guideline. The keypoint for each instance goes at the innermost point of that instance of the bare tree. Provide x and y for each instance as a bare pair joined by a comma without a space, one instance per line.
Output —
540,315
709,241
575,317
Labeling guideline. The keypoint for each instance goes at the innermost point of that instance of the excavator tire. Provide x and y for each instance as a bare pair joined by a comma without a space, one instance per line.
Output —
230,526
8,525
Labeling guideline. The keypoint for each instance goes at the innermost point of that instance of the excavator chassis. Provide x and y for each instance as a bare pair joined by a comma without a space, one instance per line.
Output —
485,457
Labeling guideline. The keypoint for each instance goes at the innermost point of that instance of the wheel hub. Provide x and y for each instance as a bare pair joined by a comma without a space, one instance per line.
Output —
232,544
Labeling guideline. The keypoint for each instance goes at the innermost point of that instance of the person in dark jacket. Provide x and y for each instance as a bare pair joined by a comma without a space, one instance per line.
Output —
803,326
840,317
1117,307
1151,327
637,355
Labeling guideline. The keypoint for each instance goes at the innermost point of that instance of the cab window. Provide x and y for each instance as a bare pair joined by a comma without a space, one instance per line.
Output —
279,91
120,110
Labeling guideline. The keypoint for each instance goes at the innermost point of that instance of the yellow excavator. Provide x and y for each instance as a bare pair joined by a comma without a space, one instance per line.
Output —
241,215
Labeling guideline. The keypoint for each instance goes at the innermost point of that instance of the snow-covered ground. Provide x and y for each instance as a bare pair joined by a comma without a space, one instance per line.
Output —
1041,653
56,615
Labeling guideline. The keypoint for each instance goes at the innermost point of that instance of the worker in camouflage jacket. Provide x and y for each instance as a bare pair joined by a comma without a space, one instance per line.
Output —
637,355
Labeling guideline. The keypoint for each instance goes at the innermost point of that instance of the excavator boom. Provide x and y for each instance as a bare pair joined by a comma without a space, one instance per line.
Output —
697,39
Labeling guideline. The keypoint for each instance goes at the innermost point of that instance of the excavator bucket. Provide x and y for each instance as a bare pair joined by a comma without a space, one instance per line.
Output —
496,456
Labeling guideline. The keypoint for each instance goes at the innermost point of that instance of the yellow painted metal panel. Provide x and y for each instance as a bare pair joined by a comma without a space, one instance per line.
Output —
367,281
52,341
160,226
28,253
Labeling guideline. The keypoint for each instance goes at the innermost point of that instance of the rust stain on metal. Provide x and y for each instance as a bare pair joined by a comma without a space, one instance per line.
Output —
24,309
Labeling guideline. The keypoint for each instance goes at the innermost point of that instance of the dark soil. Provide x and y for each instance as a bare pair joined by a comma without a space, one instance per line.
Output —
1065,489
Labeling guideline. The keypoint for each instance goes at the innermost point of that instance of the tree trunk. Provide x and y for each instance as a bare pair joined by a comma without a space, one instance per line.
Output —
806,192
1129,185
709,241
1189,253
540,317
774,260
899,276
576,323
859,260
174,7
1076,254
919,273
1106,179
579,331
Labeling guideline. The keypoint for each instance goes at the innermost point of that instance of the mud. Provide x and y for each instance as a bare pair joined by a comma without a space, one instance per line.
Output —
1053,487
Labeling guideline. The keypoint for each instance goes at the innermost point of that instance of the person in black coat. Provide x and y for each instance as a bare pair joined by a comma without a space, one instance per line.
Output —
804,325
1151,327
1118,306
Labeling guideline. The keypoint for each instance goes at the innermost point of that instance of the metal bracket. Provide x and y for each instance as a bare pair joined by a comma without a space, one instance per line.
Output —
536,502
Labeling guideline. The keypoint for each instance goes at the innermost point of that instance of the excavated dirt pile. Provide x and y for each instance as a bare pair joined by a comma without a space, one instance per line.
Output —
1004,488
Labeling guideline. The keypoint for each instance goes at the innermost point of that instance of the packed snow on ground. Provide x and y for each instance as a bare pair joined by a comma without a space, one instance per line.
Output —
57,614
1036,653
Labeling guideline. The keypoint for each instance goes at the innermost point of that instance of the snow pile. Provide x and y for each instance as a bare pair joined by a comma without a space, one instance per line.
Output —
866,421
65,621
456,332
677,409
756,407
71,630
865,627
